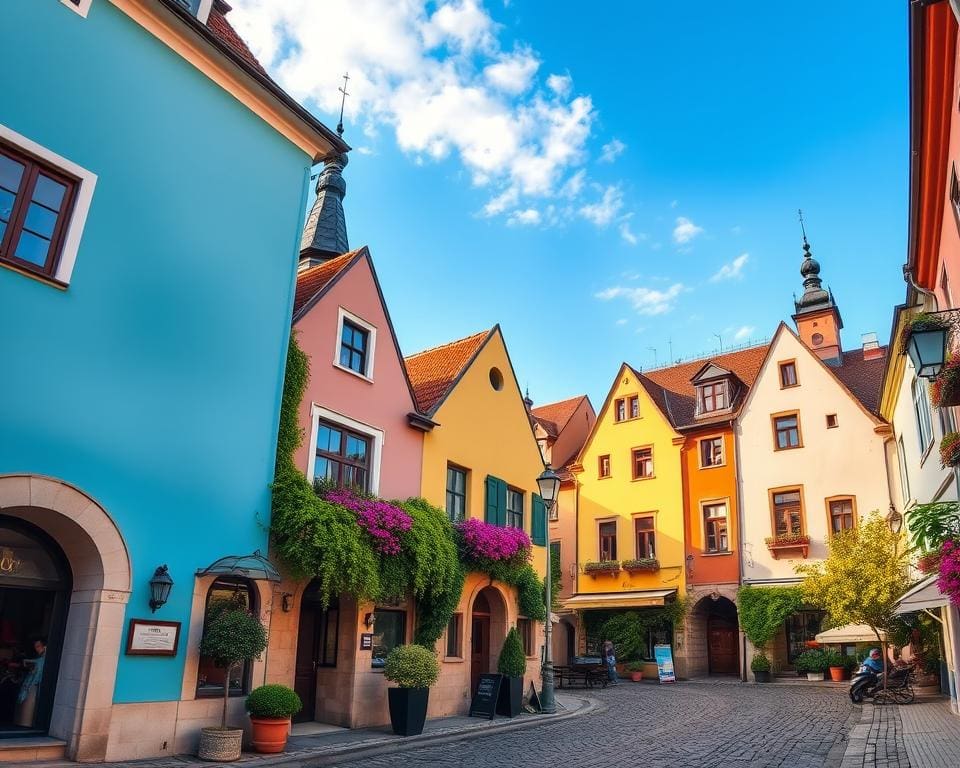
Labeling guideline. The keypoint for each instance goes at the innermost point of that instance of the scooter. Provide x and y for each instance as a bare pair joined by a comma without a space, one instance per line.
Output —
867,684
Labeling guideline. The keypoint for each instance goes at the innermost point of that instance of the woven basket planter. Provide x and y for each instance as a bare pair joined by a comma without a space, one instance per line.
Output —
220,745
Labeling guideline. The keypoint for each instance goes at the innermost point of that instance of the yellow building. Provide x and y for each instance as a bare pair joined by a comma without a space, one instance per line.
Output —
480,461
630,525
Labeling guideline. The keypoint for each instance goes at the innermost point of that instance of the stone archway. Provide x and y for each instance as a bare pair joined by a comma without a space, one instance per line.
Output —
488,629
100,566
712,637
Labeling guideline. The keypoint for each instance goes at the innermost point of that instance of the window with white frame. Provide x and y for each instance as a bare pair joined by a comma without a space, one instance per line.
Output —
344,451
921,409
356,345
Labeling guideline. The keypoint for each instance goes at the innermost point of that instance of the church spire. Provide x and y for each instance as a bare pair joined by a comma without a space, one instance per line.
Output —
817,315
325,232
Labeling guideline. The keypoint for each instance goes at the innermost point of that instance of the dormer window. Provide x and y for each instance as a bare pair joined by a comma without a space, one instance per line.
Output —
713,397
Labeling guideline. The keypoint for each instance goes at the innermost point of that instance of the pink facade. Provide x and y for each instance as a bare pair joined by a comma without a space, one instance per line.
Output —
380,402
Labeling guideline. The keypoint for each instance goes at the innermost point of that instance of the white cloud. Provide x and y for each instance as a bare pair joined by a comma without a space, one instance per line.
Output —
528,217
743,332
612,150
438,76
572,187
646,301
560,84
674,203
606,209
622,321
628,234
513,72
685,230
733,270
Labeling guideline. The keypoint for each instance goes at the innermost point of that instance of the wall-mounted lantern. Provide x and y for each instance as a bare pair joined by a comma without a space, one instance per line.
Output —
368,620
286,602
926,344
160,586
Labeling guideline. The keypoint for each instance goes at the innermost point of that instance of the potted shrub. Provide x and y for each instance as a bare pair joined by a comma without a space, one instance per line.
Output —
813,663
760,666
836,664
512,664
950,450
232,637
270,708
635,668
414,669
945,390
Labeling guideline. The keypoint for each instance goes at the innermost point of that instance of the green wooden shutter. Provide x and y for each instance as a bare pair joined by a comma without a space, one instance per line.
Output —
501,503
490,501
539,525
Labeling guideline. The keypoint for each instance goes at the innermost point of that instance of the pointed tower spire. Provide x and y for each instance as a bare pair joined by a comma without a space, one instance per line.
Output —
325,233
814,297
817,316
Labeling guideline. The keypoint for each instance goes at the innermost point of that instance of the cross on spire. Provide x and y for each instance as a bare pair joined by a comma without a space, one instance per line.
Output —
343,99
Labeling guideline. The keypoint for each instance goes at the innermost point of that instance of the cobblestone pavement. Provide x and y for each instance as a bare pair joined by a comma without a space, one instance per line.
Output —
690,725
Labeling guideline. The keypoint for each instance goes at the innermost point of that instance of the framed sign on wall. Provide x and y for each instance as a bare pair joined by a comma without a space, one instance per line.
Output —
149,637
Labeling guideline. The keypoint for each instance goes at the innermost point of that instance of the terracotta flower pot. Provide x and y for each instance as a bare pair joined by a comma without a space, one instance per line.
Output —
636,676
270,734
837,674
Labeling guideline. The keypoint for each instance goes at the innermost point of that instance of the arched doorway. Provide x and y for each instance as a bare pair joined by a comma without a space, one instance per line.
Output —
317,646
488,629
723,654
35,584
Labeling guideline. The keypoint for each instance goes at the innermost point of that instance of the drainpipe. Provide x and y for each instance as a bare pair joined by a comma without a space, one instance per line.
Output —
739,497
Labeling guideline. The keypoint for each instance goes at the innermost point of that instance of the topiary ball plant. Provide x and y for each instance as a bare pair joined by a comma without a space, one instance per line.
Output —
512,662
411,666
273,700
760,663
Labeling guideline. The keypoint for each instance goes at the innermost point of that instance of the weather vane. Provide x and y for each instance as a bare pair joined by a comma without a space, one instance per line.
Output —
343,100
802,228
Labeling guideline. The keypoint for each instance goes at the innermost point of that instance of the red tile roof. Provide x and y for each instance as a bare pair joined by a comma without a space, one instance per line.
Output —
226,34
312,281
674,393
553,417
433,372
863,377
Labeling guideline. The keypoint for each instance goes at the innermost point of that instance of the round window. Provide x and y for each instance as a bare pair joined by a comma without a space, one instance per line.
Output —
817,339
496,379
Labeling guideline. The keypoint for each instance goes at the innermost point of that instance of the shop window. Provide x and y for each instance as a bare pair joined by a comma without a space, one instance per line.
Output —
389,631
454,634
525,629
802,629
225,594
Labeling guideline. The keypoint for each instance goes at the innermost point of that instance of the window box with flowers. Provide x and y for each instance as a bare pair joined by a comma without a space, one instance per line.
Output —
945,390
602,568
787,542
641,565
950,450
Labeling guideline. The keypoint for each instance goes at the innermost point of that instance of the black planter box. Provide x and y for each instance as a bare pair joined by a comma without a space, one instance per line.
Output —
761,676
408,710
510,701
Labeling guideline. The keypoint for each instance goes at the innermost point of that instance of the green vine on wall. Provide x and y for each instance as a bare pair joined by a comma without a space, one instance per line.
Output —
764,609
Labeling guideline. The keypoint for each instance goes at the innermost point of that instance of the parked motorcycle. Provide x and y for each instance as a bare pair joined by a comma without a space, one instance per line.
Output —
867,684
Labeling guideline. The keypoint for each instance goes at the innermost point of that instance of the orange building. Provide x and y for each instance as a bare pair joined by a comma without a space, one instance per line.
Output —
702,399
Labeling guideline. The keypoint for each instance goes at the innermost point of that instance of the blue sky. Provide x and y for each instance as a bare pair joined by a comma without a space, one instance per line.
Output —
603,185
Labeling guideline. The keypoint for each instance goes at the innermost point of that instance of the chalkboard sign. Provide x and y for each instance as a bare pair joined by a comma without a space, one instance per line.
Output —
484,702
534,705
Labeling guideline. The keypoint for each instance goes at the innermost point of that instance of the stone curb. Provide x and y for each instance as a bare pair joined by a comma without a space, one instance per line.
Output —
347,752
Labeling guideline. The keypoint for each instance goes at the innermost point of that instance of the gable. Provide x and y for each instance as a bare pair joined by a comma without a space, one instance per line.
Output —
710,371
434,372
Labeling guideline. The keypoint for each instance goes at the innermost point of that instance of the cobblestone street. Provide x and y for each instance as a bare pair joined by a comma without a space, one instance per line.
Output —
690,725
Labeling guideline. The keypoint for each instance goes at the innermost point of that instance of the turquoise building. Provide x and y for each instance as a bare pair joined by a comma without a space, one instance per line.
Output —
153,181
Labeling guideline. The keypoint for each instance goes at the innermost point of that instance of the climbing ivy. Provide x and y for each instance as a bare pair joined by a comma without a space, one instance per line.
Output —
764,609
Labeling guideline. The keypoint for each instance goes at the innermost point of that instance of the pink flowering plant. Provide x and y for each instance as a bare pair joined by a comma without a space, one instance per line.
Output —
949,580
482,542
384,522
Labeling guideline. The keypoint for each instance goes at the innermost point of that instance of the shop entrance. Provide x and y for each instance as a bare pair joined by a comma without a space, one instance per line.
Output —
317,641
34,596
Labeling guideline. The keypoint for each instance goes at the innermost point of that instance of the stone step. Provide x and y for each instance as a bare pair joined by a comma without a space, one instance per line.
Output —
31,749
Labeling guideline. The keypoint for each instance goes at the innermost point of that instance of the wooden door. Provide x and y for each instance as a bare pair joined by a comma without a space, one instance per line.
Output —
305,675
479,650
722,648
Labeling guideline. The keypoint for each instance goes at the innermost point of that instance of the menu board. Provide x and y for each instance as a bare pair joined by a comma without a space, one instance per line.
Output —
147,637
484,702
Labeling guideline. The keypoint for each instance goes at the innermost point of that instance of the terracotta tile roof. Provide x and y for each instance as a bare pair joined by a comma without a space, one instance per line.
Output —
863,377
226,34
313,280
433,372
553,417
675,394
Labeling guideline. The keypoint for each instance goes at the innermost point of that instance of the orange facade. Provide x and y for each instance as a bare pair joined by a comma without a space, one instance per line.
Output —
706,485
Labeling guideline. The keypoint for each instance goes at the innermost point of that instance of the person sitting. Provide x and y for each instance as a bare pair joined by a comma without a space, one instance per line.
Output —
874,661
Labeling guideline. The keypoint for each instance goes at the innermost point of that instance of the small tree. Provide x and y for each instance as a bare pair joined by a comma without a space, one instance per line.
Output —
512,662
862,578
232,637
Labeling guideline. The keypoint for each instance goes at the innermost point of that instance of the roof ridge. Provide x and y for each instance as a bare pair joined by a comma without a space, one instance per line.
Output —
448,344
558,402
703,358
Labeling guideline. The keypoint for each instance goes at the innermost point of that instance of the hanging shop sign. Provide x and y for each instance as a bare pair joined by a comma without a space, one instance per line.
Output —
664,658
148,637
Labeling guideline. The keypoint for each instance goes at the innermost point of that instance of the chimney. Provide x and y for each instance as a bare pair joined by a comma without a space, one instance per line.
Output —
871,347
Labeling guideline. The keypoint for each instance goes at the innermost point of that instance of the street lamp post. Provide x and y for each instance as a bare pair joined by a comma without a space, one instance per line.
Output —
549,484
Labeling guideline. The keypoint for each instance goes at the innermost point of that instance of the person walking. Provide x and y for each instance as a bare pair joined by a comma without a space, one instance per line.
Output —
610,659
30,687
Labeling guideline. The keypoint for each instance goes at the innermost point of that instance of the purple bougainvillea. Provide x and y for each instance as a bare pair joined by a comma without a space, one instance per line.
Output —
383,521
949,580
482,541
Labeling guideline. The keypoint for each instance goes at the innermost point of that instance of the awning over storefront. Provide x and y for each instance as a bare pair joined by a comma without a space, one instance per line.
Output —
922,596
851,633
650,598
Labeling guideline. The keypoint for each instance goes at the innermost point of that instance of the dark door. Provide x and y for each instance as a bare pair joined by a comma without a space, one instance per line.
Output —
722,648
305,676
479,650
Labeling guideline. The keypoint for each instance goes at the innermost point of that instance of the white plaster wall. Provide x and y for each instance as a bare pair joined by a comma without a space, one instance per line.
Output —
846,460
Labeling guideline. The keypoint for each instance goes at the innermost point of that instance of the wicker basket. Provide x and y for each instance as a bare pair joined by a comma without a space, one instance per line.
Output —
220,745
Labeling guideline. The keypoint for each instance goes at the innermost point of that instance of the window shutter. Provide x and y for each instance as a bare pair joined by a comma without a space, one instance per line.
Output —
501,502
539,525
490,502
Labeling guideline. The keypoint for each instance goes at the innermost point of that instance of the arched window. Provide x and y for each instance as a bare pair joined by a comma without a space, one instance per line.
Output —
225,593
